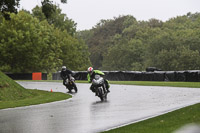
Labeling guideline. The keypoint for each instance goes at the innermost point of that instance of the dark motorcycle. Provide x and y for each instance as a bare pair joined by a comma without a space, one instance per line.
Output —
70,84
99,86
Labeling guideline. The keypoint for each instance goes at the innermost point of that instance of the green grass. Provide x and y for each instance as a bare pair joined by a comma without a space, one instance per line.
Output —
37,97
166,123
14,95
159,83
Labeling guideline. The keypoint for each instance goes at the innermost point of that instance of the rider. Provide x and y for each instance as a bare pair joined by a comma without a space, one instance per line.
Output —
65,74
91,75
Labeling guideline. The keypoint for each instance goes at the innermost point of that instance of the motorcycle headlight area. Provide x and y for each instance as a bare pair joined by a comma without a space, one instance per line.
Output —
98,81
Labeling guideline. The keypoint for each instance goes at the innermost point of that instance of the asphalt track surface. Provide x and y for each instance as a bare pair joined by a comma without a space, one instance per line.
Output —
84,113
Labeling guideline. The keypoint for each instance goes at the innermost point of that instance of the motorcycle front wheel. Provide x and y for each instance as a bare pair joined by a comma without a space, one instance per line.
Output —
75,88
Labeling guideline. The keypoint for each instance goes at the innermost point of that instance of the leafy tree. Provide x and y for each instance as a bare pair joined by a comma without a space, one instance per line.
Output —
7,6
170,45
37,12
27,45
131,27
155,23
126,55
167,48
178,23
101,38
85,34
47,8
74,53
181,58
55,17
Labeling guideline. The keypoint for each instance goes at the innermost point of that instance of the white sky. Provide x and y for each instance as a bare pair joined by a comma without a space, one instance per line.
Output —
87,13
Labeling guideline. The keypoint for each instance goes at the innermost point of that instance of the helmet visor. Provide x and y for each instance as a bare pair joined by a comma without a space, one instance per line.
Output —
90,72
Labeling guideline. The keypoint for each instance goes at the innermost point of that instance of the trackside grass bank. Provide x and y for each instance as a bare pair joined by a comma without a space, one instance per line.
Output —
166,123
159,83
14,95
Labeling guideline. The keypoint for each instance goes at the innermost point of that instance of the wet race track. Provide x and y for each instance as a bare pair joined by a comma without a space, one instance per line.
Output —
84,113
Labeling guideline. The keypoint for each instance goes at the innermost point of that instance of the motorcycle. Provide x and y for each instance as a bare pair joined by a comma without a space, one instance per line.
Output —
70,84
99,86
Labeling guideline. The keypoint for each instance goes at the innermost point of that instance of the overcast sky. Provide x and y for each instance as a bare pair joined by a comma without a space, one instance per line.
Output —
87,13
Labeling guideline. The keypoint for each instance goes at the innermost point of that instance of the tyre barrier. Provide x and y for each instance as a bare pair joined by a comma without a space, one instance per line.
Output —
27,76
185,76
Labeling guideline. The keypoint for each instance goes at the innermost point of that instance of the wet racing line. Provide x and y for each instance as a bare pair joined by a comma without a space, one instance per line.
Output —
85,113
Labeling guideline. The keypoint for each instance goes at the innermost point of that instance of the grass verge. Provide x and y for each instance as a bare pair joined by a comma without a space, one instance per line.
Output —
38,97
13,95
166,123
159,83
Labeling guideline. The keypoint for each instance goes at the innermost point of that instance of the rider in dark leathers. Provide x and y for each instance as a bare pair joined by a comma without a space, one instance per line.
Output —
65,74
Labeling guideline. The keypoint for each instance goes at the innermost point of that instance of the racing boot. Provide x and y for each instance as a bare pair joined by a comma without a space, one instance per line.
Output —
107,87
107,90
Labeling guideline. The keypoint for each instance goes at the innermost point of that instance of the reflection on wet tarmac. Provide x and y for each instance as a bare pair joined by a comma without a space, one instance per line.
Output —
85,113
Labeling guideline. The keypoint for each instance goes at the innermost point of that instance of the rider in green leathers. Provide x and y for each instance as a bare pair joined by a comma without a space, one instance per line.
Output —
90,76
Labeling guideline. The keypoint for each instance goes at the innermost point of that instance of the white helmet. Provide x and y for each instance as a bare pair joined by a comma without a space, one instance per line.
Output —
90,70
64,68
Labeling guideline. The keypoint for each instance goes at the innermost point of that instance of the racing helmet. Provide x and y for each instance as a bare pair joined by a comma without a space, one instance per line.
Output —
90,70
64,68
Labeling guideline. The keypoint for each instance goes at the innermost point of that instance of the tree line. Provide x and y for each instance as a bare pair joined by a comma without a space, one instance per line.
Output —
123,43
43,40
46,39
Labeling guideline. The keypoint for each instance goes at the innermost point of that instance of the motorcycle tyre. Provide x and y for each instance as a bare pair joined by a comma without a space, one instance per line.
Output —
75,88
100,91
